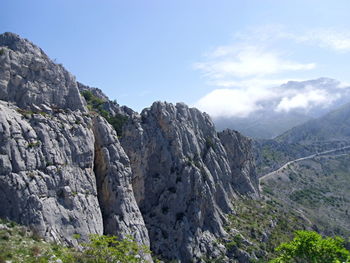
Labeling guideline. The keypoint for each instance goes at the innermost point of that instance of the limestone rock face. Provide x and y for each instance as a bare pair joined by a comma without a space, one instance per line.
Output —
183,178
241,160
62,170
46,173
169,181
121,215
28,76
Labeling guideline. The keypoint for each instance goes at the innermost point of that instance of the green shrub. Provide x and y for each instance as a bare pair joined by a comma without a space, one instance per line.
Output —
91,99
87,94
309,246
117,122
209,143
96,104
103,249
34,144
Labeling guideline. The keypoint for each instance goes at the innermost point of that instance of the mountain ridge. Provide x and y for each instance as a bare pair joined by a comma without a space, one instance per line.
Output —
72,162
60,150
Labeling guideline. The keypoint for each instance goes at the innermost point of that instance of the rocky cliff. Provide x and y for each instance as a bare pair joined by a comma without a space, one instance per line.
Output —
185,177
169,179
62,170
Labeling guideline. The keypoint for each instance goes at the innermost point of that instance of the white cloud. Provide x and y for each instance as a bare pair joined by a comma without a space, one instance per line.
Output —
338,40
262,83
233,102
248,74
243,73
331,38
343,85
308,98
236,62
241,102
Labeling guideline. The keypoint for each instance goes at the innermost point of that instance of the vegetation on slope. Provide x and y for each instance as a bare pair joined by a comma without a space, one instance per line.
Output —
270,154
96,104
318,187
20,245
258,226
264,228
325,133
310,247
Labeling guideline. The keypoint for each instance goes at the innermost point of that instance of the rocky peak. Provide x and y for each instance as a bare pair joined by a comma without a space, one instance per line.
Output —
184,180
169,181
16,43
30,79
62,169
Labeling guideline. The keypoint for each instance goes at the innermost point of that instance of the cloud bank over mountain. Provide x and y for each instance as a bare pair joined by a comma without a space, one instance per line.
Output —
247,76
305,96
268,112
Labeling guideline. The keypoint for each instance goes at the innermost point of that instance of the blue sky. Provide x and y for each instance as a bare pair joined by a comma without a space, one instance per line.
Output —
205,53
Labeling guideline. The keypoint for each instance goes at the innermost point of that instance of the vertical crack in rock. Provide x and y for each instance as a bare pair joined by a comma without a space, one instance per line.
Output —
120,213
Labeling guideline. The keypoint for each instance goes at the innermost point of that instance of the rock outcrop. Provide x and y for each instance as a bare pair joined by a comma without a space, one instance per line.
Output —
121,215
185,177
169,182
241,160
62,170
28,77
46,172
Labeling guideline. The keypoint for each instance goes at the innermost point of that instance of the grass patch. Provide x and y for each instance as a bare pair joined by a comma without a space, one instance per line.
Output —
34,144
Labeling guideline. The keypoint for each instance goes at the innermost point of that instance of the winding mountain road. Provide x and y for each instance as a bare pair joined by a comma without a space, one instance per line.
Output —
271,174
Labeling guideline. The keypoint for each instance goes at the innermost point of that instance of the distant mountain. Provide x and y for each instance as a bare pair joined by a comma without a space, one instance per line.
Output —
308,169
325,133
282,113
333,127
264,124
